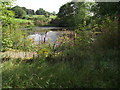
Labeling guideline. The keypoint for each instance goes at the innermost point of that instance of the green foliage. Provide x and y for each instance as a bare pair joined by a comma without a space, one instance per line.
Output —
7,43
25,45
28,11
44,52
24,22
84,40
102,9
10,36
19,12
53,16
41,11
94,70
66,14
5,15
23,10
74,13
7,24
40,20
80,60
109,37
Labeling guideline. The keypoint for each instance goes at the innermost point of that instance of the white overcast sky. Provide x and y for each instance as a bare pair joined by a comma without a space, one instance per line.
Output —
48,5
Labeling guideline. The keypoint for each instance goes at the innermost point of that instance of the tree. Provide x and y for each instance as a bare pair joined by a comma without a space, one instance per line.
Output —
102,9
106,15
74,13
24,8
19,12
30,12
41,12
66,14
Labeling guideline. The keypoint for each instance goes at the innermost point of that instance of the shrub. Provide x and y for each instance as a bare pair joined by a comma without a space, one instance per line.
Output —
109,37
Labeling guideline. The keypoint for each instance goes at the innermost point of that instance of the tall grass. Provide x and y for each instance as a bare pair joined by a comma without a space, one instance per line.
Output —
94,71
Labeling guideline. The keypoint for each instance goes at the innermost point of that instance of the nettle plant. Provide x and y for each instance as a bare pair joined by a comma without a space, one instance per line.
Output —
11,37
7,25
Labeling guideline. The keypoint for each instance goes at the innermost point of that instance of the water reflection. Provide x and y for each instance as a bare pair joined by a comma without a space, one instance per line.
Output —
48,36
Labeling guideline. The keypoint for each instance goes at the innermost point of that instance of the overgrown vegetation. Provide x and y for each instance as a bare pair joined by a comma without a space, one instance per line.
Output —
87,58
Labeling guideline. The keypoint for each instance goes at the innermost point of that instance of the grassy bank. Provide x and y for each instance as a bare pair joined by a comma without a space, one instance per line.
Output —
92,69
34,20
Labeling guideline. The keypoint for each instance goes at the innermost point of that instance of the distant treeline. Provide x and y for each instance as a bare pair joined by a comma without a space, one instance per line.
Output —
21,12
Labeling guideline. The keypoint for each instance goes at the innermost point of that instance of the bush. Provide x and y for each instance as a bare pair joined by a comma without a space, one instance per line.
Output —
109,37
19,12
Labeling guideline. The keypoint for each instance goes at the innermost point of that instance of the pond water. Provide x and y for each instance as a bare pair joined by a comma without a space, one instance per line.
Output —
38,34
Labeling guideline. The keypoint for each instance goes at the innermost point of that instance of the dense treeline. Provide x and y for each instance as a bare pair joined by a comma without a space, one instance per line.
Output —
75,13
21,12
